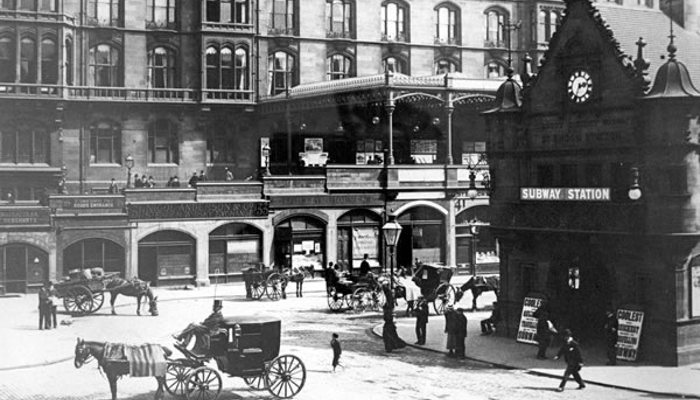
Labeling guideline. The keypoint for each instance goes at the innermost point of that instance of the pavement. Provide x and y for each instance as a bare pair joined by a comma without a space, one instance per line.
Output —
505,352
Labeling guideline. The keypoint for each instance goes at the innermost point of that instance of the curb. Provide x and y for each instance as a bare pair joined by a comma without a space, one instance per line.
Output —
376,328
28,366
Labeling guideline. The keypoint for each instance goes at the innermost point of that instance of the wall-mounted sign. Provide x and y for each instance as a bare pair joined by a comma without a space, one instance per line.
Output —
629,332
565,194
528,323
12,217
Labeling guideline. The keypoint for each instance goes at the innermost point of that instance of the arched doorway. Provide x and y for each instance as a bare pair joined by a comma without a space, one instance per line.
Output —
300,242
476,247
358,234
232,248
422,237
167,257
91,253
23,268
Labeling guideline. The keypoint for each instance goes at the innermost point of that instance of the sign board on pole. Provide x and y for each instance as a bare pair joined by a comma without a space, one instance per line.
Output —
528,323
628,333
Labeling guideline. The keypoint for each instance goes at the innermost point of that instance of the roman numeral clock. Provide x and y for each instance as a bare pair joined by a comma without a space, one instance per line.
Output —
580,86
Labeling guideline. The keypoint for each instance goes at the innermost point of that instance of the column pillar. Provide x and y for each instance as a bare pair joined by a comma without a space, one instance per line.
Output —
202,263
267,237
450,235
450,110
53,258
390,120
332,239
132,254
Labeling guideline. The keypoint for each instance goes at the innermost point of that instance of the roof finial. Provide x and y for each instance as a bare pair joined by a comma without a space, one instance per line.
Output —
510,28
671,47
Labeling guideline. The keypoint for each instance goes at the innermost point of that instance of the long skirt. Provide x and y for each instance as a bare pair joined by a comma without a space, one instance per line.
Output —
391,337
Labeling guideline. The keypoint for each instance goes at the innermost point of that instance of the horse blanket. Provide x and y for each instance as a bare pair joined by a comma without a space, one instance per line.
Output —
144,360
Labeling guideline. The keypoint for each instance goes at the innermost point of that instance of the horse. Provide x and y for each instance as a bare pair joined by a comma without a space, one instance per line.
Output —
86,351
133,288
478,285
296,277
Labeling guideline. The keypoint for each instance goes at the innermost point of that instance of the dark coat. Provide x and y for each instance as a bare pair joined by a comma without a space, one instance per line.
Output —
364,268
572,353
213,321
450,322
335,345
460,324
421,314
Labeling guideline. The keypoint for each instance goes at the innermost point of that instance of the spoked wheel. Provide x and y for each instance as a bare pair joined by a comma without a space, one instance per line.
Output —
361,300
98,299
285,376
445,296
257,290
274,286
203,383
335,300
256,382
78,300
176,377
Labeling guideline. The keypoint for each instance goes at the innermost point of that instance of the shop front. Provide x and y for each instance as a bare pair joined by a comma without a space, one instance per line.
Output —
23,267
359,234
300,242
167,257
422,237
475,243
233,248
95,252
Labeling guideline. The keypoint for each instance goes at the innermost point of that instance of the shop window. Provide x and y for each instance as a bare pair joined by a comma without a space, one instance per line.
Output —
163,147
24,145
369,151
394,21
339,67
103,68
161,68
234,247
160,13
27,60
104,12
91,253
283,17
7,59
447,26
339,14
569,175
281,70
443,66
105,143
473,153
49,62
545,175
496,22
396,65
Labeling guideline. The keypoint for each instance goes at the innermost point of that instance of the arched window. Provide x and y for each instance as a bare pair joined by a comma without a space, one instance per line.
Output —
394,21
396,65
241,68
495,69
105,143
69,62
161,68
226,68
339,67
103,66
7,59
104,12
49,62
496,21
281,70
160,13
163,145
447,27
212,57
27,60
339,17
24,144
444,65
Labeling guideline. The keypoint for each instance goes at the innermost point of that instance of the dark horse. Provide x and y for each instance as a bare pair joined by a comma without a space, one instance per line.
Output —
479,284
133,288
86,351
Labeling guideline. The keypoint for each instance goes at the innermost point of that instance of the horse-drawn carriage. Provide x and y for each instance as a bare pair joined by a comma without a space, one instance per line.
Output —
246,347
356,293
264,281
434,283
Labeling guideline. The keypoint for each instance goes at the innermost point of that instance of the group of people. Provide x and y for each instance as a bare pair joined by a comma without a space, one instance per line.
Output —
144,182
194,179
48,303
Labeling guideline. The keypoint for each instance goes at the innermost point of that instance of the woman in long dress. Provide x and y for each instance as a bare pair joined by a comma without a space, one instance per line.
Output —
391,338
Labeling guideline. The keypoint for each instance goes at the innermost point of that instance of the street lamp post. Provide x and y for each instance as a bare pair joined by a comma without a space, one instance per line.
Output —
129,163
474,230
266,154
391,231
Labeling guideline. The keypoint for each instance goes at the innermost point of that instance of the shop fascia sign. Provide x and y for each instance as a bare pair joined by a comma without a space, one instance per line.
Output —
565,194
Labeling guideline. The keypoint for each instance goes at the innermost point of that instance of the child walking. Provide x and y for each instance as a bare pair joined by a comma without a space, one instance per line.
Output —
335,345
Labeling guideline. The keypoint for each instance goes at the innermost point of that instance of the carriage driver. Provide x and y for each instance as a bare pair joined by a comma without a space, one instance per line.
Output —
203,330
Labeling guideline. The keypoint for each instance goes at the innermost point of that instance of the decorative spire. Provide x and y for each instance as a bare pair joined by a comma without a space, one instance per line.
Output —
671,47
527,74
641,65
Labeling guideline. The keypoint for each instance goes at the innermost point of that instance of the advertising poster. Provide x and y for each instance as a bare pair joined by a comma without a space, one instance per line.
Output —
365,240
628,334
695,289
528,323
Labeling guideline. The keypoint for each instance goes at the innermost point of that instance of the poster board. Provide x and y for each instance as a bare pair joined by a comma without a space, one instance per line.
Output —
528,323
695,287
628,333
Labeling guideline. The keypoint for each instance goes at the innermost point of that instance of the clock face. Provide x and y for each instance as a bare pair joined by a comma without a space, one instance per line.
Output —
580,86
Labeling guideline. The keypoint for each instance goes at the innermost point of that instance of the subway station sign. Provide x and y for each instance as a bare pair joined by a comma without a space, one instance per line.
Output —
565,194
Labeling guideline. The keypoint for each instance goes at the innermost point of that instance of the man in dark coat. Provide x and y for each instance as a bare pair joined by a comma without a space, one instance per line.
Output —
193,180
572,355
203,330
421,314
44,311
337,351
611,327
545,329
488,324
460,332
450,329
364,266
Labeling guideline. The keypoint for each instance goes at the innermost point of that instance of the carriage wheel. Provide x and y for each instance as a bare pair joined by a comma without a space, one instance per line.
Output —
445,295
78,300
274,286
335,300
203,383
257,290
256,382
176,377
98,299
285,376
361,300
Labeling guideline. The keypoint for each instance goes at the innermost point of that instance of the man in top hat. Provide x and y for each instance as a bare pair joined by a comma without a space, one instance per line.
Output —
574,361
460,332
203,330
450,330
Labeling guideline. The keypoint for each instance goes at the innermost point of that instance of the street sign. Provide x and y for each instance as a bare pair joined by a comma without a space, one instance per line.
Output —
528,323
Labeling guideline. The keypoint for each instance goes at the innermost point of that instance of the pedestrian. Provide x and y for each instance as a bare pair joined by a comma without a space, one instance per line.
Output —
193,180
328,274
543,336
489,324
337,351
572,355
611,327
176,182
297,276
411,291
144,181
137,182
113,188
61,186
170,182
229,175
52,305
364,265
44,307
460,332
450,325
421,314
391,338
202,177
151,182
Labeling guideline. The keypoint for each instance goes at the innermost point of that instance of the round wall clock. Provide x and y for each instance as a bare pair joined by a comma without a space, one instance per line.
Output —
580,86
